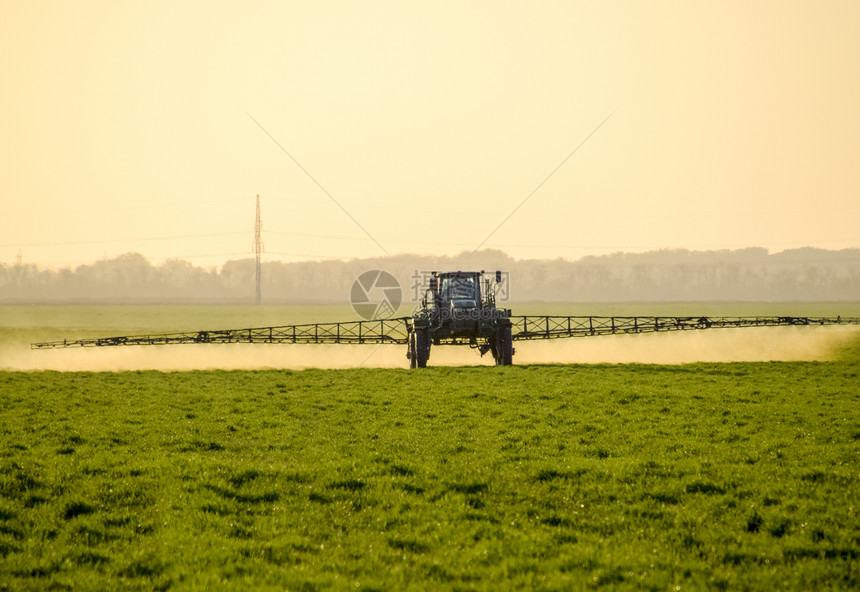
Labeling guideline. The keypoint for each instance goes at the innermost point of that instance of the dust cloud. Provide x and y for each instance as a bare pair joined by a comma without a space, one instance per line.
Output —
754,345
717,345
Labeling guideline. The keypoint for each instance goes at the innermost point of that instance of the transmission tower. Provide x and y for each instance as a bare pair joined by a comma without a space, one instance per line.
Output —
258,246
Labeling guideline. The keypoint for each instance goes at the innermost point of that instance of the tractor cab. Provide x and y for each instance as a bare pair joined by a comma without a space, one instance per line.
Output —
460,290
458,301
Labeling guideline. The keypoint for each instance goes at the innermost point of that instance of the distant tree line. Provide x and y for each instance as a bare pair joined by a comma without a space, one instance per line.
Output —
753,274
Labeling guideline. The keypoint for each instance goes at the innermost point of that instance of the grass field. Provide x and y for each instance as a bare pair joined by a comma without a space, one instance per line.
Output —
719,476
707,476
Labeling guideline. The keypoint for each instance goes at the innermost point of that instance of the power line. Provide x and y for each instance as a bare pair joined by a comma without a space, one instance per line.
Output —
421,242
315,256
174,257
551,246
119,240
150,205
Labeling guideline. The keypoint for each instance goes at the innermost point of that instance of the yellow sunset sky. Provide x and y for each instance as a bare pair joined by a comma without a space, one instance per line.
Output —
373,128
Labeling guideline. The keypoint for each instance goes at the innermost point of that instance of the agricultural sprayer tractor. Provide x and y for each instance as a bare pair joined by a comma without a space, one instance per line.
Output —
459,308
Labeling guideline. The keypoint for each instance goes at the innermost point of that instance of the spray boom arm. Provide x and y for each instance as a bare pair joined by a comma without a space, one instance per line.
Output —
397,330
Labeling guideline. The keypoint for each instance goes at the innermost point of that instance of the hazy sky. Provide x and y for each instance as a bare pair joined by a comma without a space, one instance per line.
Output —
147,126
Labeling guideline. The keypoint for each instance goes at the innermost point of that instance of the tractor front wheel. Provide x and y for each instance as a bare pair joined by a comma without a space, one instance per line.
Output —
422,347
504,346
412,352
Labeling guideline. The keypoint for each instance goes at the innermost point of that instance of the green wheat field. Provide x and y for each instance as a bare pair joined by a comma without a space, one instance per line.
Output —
702,476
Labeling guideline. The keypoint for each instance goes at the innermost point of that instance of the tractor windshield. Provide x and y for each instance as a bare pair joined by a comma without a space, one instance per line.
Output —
463,291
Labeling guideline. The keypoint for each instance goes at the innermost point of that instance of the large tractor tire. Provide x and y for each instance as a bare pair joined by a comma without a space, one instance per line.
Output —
413,353
504,346
422,347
